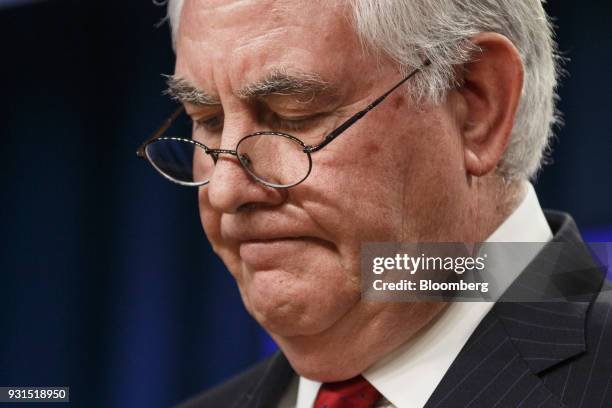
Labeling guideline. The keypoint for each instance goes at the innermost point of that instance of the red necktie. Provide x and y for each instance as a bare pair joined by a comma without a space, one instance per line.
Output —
356,392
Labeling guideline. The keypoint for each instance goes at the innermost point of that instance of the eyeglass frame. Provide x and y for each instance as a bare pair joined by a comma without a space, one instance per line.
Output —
307,149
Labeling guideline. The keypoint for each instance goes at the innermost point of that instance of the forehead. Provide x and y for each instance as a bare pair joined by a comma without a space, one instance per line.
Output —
243,40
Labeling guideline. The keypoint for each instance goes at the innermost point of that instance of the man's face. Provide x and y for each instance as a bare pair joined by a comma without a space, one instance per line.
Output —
295,253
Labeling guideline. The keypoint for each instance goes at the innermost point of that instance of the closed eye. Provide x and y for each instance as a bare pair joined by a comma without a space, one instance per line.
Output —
294,124
279,122
271,120
210,124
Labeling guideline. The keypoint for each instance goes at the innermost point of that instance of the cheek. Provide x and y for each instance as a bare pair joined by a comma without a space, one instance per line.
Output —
211,220
359,184
385,179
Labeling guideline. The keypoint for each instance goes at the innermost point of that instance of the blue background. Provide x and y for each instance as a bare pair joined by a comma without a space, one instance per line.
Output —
107,282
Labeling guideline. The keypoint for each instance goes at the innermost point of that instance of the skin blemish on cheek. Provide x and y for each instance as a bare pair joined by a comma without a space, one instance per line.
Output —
372,148
398,101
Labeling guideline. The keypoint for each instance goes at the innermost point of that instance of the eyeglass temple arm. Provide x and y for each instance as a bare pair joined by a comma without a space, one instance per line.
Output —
140,152
350,121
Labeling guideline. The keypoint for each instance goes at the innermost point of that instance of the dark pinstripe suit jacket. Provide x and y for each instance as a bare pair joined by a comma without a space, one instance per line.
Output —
547,354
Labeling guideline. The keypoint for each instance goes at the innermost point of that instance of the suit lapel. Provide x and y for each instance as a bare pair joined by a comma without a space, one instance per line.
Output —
490,372
499,365
270,387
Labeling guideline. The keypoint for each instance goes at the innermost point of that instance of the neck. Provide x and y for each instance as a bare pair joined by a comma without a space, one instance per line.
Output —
492,200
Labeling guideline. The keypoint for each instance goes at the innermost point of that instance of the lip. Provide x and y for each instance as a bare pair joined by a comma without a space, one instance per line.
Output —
263,253
259,235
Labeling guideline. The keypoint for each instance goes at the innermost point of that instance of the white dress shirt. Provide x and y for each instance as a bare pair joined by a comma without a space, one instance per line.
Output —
408,376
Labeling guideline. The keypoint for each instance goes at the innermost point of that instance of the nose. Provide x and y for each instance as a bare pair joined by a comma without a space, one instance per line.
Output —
231,188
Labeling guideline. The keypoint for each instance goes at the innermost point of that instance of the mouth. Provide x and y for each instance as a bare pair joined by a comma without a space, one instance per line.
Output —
267,253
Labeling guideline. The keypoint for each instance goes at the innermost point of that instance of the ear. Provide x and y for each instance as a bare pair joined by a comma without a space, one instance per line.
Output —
486,102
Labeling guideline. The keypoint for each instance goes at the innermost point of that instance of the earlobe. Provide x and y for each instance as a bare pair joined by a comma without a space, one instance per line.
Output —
490,92
473,164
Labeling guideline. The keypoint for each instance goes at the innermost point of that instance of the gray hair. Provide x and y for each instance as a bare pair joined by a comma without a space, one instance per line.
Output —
411,31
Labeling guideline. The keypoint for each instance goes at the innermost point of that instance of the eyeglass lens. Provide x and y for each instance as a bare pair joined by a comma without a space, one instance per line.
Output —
275,159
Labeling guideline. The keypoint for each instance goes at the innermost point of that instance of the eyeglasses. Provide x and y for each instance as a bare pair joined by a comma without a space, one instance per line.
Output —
275,159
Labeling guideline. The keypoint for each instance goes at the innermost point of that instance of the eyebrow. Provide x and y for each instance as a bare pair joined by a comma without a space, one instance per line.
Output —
183,91
276,83
285,83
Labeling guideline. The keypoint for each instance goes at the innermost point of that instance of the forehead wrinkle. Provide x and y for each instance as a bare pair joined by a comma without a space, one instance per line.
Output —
181,90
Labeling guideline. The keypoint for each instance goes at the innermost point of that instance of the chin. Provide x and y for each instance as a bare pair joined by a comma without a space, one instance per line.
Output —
317,359
288,306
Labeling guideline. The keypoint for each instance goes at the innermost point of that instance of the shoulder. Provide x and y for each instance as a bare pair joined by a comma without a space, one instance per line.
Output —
229,393
585,380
